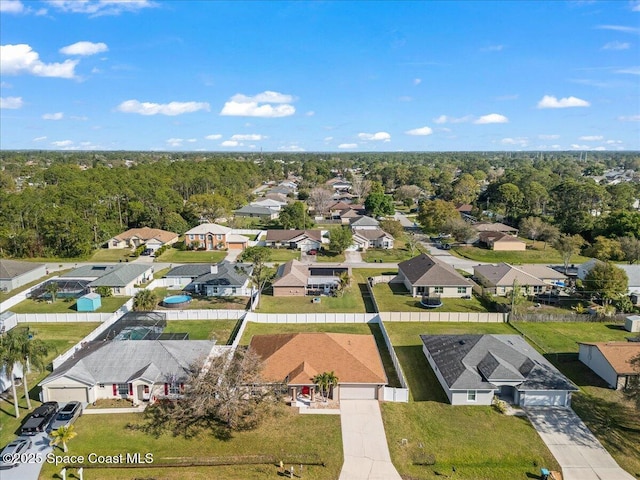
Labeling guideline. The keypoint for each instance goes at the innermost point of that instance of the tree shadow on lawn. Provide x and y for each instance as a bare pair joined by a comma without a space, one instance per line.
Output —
423,384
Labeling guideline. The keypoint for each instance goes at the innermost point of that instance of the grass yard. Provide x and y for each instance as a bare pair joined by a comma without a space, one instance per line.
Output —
219,330
284,435
204,303
173,255
283,255
614,420
480,442
59,337
327,256
109,304
394,255
111,255
350,302
6,295
394,297
538,254
354,328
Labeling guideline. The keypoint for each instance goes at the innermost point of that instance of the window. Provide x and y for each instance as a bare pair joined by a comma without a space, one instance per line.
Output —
101,385
123,389
462,289
174,389
537,289
201,236
219,237
471,395
214,290
192,237
438,289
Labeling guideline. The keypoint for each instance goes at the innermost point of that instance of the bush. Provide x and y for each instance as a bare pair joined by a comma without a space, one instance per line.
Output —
500,405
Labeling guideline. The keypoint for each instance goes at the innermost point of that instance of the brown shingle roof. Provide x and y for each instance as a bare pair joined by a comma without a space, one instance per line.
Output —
287,235
300,356
427,270
498,237
292,274
146,233
494,227
619,355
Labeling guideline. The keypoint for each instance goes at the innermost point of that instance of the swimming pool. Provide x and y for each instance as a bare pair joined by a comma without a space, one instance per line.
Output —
176,301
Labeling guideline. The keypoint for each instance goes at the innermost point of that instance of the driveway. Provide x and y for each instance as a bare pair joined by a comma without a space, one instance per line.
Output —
577,450
446,256
366,454
30,471
352,257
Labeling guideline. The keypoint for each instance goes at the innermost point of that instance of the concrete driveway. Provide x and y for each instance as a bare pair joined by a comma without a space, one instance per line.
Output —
31,470
366,454
577,450
352,257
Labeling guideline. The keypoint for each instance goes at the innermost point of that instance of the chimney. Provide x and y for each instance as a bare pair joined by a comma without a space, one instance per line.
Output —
214,268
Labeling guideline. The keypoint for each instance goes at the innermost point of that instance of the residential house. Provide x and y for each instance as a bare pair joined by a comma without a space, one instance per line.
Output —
138,370
15,274
473,368
122,278
295,279
303,240
495,227
499,279
252,211
632,271
295,358
611,361
153,238
224,280
339,184
274,205
425,275
363,222
282,190
374,238
465,209
502,242
279,197
211,236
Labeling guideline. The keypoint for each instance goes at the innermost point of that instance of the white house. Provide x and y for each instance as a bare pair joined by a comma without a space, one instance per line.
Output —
14,274
611,361
632,271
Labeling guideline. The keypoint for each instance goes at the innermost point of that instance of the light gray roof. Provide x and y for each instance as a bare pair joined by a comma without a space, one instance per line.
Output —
364,221
372,234
155,361
425,270
504,275
228,274
204,228
255,210
473,362
633,272
14,268
90,271
192,270
121,276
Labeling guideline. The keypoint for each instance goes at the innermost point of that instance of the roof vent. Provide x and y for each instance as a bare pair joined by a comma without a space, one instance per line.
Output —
462,342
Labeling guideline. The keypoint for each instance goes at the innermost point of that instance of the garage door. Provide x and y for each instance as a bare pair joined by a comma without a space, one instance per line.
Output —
63,395
358,392
236,246
544,398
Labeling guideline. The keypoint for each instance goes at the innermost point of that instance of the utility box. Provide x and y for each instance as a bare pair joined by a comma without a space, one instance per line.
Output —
632,324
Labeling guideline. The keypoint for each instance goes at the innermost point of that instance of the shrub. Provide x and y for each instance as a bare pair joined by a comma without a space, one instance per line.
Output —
500,405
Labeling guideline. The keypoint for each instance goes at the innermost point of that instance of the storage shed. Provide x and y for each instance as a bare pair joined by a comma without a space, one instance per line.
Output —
632,324
89,303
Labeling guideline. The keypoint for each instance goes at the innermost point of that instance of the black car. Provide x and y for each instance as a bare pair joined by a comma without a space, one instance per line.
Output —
39,419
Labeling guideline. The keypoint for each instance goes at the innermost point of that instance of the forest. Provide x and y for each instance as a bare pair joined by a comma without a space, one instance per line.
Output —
66,204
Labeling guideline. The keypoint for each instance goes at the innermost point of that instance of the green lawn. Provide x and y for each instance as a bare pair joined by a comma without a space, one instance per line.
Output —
6,295
219,330
109,304
173,255
283,255
354,328
394,255
394,297
282,435
478,441
326,256
535,255
350,302
204,303
614,420
59,337
110,255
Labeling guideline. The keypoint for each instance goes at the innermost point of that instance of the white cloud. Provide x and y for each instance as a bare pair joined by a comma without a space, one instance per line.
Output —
192,140
174,142
39,139
21,59
96,8
591,138
491,118
548,137
417,81
310,113
171,108
635,5
493,48
616,46
215,136
84,48
629,118
614,142
328,139
11,103
79,118
446,119
251,137
62,143
420,131
519,141
348,145
630,70
266,104
575,146
231,143
549,101
291,148
378,136
619,28
11,6
53,116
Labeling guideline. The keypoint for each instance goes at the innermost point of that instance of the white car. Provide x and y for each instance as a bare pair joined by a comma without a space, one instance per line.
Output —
10,456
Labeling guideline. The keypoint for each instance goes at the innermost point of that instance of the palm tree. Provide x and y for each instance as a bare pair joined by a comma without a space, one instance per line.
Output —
33,351
325,381
145,300
63,435
52,289
10,356
344,280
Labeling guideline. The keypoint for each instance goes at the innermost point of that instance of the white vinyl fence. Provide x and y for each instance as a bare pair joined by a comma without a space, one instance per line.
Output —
19,297
470,317
203,314
62,317
394,394
312,317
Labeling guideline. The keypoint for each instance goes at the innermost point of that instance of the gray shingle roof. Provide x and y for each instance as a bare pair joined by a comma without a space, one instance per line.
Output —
14,268
231,274
122,276
504,275
425,270
90,271
364,221
254,210
469,362
192,270
125,361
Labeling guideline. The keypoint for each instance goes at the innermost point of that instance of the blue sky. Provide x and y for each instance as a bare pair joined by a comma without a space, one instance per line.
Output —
320,76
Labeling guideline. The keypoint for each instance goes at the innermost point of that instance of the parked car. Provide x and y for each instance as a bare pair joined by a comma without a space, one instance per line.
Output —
10,456
39,420
67,415
312,252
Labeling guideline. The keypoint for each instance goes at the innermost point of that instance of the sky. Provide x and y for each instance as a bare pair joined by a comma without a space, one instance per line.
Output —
320,76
